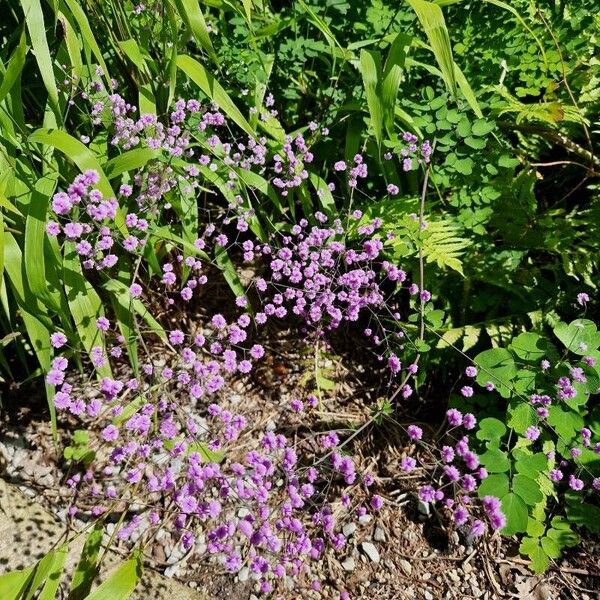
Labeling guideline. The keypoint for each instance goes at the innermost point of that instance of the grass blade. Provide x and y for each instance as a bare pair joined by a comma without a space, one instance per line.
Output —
34,18
214,90
432,20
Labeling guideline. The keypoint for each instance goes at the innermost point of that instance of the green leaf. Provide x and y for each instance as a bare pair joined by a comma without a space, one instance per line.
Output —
491,429
86,569
229,273
14,67
515,510
432,20
494,485
129,161
84,303
529,346
214,90
520,415
121,295
498,366
527,488
539,559
190,13
551,548
370,69
495,460
85,30
481,127
535,528
49,591
120,584
530,464
35,236
34,17
13,583
206,454
579,336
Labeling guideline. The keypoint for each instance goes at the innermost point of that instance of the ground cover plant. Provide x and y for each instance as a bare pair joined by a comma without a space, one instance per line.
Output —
270,268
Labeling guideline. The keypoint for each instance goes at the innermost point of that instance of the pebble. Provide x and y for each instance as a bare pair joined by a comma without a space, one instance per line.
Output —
405,566
428,595
243,574
348,529
379,534
453,575
349,564
371,551
365,519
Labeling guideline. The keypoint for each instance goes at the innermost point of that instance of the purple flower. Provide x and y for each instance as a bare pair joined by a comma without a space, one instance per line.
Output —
414,432
466,391
427,493
575,483
135,290
454,417
532,433
376,502
477,528
407,464
471,372
58,339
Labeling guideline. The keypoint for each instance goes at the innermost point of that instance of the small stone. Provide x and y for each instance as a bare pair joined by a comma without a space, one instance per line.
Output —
364,519
453,575
243,574
428,595
379,534
349,564
348,529
371,551
405,566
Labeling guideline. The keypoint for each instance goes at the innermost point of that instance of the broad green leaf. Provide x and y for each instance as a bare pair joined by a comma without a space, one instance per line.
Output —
129,161
515,510
529,346
14,68
214,90
34,18
520,415
119,585
86,569
495,460
498,366
84,302
50,589
35,237
432,20
13,583
190,13
370,69
527,488
494,485
491,429
78,14
550,546
74,150
530,464
539,559
580,336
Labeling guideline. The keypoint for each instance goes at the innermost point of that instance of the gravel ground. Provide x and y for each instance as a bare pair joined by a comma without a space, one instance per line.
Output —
402,552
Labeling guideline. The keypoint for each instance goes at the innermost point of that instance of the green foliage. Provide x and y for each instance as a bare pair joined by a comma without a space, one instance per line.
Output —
520,472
